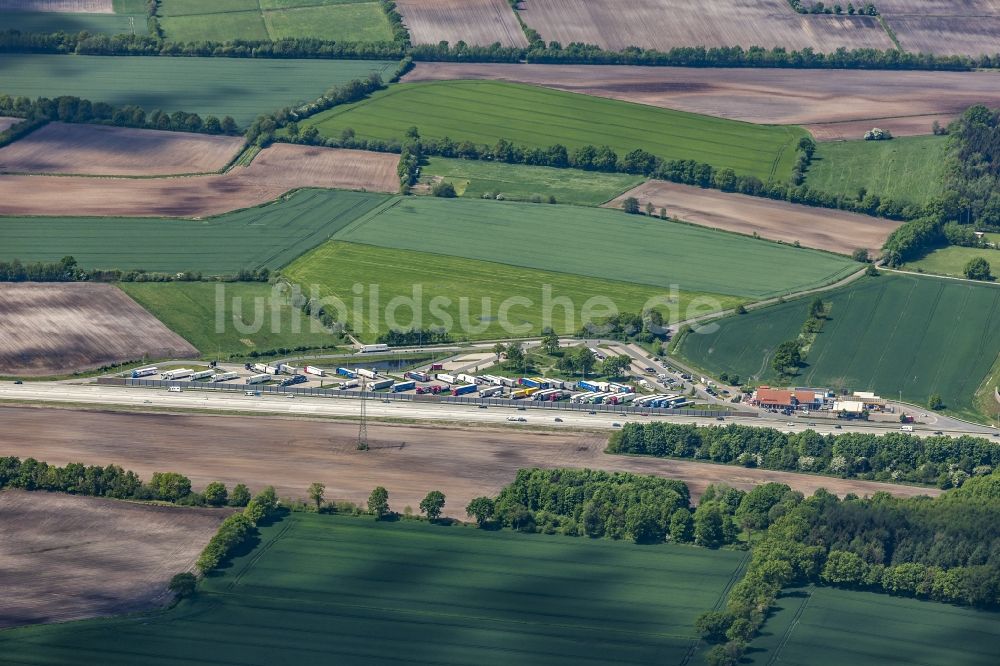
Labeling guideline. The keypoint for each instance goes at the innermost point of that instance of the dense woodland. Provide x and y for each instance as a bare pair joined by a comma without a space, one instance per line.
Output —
894,456
945,549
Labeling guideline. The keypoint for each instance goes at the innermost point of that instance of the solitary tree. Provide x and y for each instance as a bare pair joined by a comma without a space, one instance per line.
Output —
631,205
499,349
215,494
787,356
240,495
316,491
935,402
550,341
183,584
378,503
444,189
432,505
978,269
861,255
483,508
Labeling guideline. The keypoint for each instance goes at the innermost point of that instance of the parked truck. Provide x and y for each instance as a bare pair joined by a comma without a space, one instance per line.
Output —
224,376
464,390
313,370
349,384
366,373
468,379
404,386
344,372
417,375
368,349
380,384
294,379
144,372
259,379
490,391
202,374
170,375
445,377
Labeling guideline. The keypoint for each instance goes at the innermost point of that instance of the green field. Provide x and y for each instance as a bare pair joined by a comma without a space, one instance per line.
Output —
518,182
597,242
951,260
921,335
262,20
908,169
267,236
339,590
484,111
398,272
263,318
239,87
106,24
829,627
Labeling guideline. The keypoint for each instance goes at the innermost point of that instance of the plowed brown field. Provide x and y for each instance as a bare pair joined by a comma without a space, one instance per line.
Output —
99,150
834,104
475,22
408,460
78,6
6,122
663,24
821,228
66,557
277,169
59,328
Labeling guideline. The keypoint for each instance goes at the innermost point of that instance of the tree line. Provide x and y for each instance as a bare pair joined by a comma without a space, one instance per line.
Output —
114,482
70,109
68,270
893,457
944,549
237,530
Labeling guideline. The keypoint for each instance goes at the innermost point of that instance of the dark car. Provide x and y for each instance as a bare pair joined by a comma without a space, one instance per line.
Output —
18,381
591,413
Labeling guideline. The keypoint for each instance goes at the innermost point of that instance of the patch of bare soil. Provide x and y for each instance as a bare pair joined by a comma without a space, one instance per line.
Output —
275,171
101,150
58,328
821,228
66,557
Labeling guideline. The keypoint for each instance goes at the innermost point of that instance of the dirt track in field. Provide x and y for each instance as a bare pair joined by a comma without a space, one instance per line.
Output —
663,24
821,228
100,150
408,460
66,557
476,22
79,6
905,103
59,328
276,170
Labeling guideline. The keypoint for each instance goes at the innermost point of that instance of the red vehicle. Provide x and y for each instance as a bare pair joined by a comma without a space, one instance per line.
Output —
437,366
421,390
435,389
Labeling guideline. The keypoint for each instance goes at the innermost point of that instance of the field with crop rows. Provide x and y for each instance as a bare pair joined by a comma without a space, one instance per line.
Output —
918,335
908,169
517,182
606,244
485,285
484,111
829,627
267,236
262,20
475,22
250,315
60,328
353,590
662,24
944,27
94,23
239,87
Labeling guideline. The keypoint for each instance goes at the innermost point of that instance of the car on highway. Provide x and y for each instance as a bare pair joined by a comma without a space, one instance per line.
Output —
812,423
791,424
558,420
616,425
522,409
512,418
838,427
18,381
483,406
591,413
938,432
292,395
720,418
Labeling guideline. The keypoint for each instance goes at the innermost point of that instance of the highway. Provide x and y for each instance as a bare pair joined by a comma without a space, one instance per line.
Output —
93,395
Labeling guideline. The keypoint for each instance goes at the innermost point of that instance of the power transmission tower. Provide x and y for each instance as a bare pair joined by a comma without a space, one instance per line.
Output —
363,426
